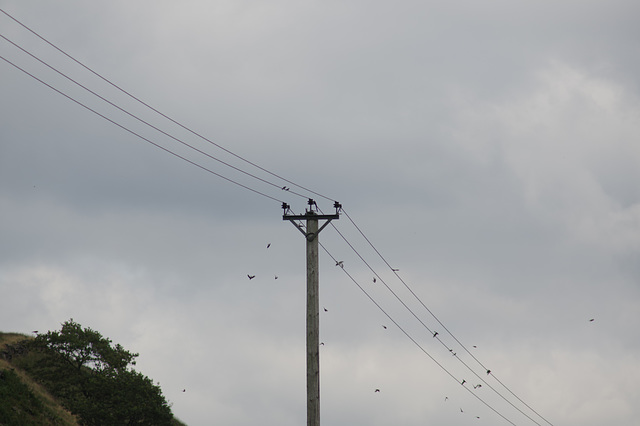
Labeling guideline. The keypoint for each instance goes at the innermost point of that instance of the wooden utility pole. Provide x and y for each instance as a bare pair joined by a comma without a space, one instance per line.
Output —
311,232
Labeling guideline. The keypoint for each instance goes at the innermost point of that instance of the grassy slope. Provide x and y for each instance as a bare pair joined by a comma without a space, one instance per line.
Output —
23,401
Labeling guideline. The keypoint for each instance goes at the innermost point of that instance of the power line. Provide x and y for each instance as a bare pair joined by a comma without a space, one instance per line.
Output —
137,134
423,324
437,319
415,342
145,122
301,225
231,166
246,187
162,114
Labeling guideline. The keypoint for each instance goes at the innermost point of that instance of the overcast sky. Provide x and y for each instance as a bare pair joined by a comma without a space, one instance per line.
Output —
489,150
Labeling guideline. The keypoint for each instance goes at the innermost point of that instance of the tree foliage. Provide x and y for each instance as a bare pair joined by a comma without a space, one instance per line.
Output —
84,347
94,378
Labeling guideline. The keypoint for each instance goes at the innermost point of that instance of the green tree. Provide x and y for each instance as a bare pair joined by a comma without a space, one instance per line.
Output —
84,347
94,379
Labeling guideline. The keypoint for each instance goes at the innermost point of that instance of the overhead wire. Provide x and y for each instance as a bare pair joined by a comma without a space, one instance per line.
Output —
181,157
137,134
301,225
228,179
437,319
161,113
145,122
413,340
431,332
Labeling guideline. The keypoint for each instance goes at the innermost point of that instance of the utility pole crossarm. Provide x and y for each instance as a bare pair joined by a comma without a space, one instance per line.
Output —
310,216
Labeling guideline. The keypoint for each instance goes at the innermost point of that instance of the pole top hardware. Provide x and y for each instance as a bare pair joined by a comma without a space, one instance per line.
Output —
311,203
337,206
311,213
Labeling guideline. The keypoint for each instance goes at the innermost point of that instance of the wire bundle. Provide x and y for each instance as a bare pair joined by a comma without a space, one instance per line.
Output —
276,183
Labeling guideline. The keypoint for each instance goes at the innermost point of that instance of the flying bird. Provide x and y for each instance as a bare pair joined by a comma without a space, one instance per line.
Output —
461,410
184,390
488,371
377,390
463,382
446,398
384,326
322,343
325,309
592,319
251,276
474,346
268,245
374,279
435,333
276,277
340,263
477,386
395,270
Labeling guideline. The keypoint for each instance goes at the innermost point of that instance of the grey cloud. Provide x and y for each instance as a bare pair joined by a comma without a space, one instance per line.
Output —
487,150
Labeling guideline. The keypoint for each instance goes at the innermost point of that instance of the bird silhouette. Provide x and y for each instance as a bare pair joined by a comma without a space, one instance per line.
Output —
435,333
592,319
276,277
325,309
322,343
488,371
377,390
340,263
463,382
395,270
184,390
477,386
251,276
461,410
374,279
268,245
384,326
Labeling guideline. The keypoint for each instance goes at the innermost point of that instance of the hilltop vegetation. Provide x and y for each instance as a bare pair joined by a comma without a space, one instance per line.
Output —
75,377
22,400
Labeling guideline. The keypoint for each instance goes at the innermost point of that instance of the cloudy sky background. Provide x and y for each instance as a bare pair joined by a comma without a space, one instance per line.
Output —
489,150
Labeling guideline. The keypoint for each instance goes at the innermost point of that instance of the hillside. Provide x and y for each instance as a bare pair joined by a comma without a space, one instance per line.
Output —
38,387
22,400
